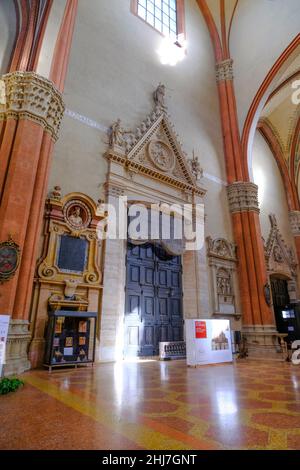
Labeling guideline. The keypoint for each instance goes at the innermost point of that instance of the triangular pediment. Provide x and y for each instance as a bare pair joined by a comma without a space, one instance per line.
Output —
159,148
154,149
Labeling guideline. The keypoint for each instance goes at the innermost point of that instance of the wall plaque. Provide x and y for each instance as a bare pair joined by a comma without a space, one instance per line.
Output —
72,254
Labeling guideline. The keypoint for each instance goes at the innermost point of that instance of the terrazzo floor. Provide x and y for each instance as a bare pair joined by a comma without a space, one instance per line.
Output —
155,405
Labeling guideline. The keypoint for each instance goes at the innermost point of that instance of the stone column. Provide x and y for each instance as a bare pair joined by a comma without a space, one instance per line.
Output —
258,324
242,194
31,117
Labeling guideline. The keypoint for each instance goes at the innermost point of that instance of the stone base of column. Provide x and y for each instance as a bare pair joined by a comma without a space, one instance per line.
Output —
37,352
264,343
18,339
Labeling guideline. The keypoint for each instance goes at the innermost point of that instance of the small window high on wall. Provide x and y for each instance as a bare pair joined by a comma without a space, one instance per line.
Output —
166,16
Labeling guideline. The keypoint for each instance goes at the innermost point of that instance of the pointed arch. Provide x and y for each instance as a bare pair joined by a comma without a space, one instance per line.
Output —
268,134
250,124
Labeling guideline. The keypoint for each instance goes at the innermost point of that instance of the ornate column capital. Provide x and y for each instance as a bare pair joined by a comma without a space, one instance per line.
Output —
27,95
294,217
224,70
242,197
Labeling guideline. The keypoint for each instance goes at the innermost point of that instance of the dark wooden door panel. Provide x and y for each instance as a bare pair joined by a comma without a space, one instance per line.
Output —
153,300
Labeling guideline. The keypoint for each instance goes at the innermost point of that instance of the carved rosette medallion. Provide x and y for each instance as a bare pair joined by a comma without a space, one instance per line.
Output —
161,155
9,259
77,215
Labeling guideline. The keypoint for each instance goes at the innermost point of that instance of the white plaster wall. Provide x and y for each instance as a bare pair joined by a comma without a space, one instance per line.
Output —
261,31
7,33
217,216
271,193
114,69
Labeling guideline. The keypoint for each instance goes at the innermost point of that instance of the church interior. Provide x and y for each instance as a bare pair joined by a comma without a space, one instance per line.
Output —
126,336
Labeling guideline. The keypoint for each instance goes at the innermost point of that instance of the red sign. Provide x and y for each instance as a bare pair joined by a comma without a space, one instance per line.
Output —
200,329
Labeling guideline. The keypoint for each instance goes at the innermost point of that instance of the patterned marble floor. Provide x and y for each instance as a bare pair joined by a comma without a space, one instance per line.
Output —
155,405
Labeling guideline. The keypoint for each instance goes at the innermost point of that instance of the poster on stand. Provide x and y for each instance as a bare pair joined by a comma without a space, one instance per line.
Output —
4,323
208,342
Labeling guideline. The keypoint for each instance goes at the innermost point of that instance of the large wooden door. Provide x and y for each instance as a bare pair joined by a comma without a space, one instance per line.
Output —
153,310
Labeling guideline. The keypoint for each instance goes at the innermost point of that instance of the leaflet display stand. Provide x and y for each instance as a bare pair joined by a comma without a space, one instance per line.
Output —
208,342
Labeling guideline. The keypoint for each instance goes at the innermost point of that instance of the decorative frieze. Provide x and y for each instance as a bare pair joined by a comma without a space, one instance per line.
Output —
30,96
224,70
242,197
294,217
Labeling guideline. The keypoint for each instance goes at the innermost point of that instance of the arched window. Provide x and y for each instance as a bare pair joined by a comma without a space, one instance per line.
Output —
166,16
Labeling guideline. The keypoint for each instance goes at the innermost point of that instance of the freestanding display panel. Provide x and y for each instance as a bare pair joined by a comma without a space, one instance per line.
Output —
208,342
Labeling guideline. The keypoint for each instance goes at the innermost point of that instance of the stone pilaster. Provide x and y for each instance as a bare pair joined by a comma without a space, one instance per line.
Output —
31,110
242,197
17,347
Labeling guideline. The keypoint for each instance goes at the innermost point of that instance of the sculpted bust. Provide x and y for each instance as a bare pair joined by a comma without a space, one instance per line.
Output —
75,218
